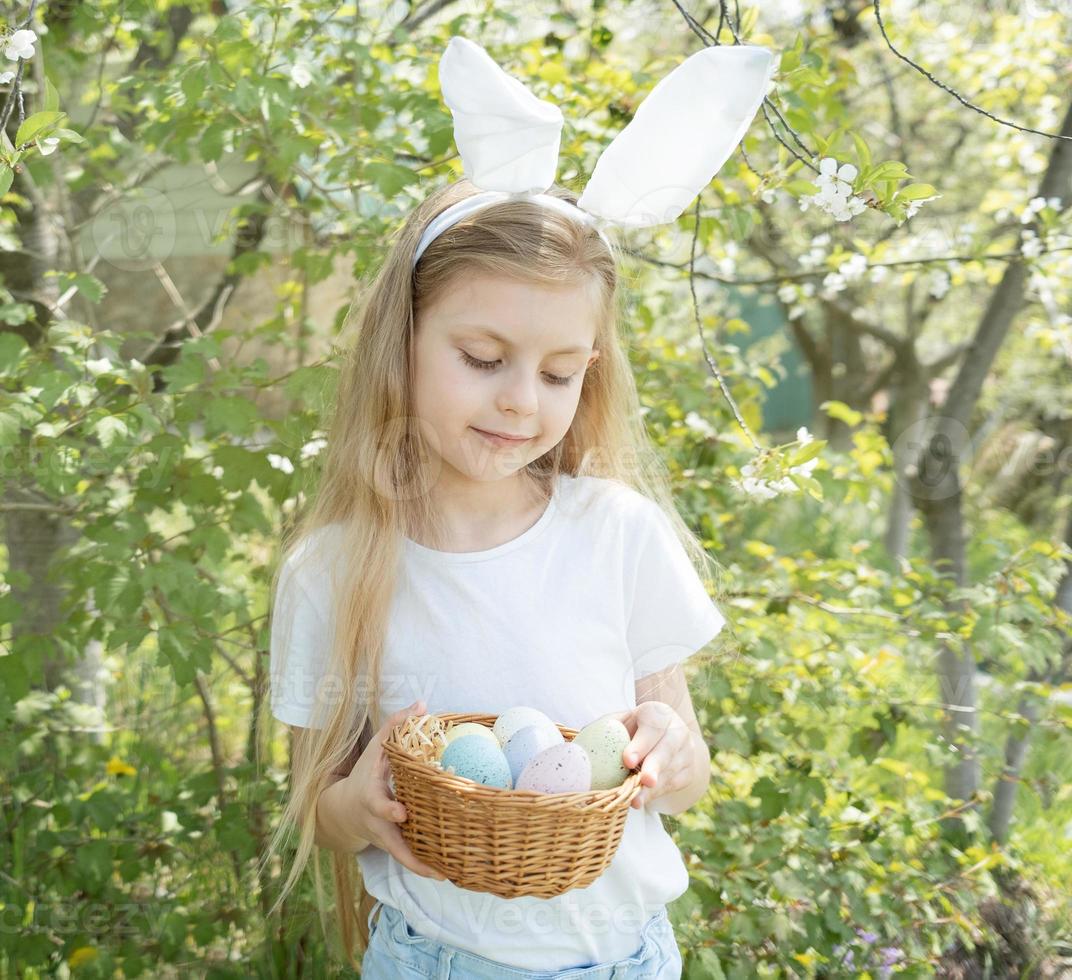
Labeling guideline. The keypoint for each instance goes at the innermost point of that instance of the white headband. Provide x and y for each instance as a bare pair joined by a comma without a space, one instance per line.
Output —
678,138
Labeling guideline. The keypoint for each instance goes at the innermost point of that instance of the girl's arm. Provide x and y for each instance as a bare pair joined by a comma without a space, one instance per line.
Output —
335,818
334,831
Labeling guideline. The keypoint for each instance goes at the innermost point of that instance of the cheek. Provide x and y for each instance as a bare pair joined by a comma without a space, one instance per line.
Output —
444,386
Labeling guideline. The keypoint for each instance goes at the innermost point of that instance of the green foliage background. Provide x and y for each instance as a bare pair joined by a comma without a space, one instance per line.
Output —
130,837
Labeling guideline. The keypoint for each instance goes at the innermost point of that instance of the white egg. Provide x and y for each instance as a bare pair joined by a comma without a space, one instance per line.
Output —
514,719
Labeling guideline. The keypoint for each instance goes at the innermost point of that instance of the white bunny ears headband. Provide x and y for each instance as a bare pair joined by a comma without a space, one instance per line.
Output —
678,139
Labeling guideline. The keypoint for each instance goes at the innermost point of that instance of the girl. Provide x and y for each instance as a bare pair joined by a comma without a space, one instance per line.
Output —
492,528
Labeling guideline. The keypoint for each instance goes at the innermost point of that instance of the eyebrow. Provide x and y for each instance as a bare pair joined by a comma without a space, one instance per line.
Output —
476,328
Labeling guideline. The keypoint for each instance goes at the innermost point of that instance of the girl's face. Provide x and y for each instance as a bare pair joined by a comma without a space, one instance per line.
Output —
501,356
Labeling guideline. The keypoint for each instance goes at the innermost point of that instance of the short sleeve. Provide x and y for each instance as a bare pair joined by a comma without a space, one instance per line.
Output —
301,635
670,615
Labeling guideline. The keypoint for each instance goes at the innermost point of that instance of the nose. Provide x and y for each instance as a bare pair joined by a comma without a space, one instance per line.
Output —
518,393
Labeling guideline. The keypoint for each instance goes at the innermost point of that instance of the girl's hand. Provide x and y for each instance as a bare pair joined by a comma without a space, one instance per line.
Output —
376,811
663,743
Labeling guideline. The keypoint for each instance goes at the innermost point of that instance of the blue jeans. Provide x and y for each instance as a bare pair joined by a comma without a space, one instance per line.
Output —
396,952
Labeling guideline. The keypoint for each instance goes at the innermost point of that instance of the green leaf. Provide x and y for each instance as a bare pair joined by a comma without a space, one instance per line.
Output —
36,125
14,679
809,451
842,412
210,145
89,286
390,178
915,192
111,430
93,859
52,96
10,424
7,175
887,170
232,415
709,961
801,188
863,154
12,349
772,798
740,222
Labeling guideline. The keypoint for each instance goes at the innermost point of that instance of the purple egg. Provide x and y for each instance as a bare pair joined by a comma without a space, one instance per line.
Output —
528,742
563,768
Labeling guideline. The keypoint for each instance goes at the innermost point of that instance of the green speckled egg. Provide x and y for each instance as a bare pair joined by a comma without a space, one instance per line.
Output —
605,740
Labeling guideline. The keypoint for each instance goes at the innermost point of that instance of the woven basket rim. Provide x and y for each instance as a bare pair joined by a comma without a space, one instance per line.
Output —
423,727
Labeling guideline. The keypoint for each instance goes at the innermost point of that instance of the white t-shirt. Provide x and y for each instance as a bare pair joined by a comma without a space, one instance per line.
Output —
565,618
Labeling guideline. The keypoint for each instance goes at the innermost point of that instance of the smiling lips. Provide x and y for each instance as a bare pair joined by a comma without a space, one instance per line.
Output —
501,440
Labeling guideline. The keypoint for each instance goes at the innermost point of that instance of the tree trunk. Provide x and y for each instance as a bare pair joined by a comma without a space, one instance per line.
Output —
937,491
909,398
1016,745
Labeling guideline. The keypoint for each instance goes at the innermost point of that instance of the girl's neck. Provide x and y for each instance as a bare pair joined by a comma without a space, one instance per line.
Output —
480,516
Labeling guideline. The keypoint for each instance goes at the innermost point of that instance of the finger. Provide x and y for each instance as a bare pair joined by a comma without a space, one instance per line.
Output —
641,745
417,708
388,808
626,718
397,847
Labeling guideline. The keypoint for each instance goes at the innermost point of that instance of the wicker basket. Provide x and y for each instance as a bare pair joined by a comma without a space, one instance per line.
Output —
506,842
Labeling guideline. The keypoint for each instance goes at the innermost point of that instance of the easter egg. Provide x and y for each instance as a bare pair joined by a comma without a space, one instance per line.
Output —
605,740
467,728
528,742
513,719
562,768
479,759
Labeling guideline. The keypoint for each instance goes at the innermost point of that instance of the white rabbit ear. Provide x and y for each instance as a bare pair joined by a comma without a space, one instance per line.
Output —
507,137
679,137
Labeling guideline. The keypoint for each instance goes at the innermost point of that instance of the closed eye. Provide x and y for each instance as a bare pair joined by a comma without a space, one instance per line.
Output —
489,365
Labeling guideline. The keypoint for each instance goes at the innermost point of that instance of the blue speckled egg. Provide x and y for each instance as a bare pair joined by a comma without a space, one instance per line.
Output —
528,742
479,759
563,768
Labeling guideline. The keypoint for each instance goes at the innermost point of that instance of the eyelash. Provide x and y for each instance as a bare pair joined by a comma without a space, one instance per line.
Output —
488,365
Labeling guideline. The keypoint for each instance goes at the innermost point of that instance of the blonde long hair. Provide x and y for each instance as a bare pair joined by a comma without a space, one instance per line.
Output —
370,490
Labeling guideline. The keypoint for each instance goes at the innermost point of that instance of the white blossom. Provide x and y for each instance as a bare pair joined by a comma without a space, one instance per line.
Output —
698,423
6,76
1031,244
835,195
313,447
768,196
727,265
760,489
20,45
833,283
939,283
853,268
47,145
787,292
804,436
913,206
1035,205
300,75
280,463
